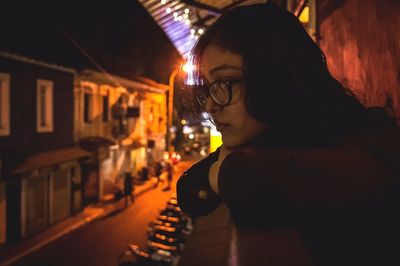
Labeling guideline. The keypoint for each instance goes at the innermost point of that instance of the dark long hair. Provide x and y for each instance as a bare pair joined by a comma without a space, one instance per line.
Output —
287,83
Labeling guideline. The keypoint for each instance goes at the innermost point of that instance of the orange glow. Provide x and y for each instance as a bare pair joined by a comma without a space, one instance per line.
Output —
135,249
169,219
157,222
159,236
173,201
162,246
165,156
188,67
165,228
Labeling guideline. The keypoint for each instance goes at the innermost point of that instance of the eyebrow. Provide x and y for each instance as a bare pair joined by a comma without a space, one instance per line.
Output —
224,67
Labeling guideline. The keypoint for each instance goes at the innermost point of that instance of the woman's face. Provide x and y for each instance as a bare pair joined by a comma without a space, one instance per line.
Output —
233,121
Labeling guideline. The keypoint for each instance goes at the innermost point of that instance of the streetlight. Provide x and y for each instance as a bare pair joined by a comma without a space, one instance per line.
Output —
171,106
185,68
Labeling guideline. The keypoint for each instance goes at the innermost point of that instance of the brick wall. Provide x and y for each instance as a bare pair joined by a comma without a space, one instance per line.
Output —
361,39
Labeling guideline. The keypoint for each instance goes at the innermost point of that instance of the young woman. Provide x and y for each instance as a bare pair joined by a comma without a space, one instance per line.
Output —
299,150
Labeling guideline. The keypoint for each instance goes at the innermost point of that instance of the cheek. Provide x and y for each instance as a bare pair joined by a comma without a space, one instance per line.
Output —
242,126
248,127
240,115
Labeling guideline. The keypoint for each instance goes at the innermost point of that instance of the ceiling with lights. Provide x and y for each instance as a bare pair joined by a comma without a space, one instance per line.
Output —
185,20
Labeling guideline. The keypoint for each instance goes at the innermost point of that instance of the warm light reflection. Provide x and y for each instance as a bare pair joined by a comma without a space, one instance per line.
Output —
305,15
173,201
165,228
166,156
188,67
161,246
159,236
215,140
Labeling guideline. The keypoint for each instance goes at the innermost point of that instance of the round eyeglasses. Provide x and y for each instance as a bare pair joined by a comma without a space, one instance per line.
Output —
220,91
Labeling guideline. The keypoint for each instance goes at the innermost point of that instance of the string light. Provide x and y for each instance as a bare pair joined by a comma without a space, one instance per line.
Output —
184,18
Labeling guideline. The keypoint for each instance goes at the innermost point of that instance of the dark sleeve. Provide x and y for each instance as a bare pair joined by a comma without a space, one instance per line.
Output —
279,183
194,194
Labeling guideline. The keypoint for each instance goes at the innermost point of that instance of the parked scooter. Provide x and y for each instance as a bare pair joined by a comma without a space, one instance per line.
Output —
166,237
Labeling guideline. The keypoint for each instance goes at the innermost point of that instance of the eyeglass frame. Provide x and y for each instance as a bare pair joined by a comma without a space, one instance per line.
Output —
229,84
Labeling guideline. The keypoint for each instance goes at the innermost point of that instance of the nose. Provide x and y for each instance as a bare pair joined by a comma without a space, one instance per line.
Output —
211,106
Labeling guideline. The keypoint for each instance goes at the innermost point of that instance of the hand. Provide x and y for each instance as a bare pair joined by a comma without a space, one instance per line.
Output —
214,169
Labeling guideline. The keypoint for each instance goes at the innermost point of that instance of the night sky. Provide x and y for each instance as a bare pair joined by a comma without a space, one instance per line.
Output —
119,35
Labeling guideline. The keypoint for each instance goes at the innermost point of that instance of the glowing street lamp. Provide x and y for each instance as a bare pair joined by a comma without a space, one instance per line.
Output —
188,68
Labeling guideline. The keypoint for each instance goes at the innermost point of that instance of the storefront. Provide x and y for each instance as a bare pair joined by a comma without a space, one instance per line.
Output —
46,188
99,173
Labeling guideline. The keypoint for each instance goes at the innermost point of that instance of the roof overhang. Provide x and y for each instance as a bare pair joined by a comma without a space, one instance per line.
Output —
184,21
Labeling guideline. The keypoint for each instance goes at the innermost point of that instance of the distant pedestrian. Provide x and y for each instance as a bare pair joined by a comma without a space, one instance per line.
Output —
128,188
170,173
157,172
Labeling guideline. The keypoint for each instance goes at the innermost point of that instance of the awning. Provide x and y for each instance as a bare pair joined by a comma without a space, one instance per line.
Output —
133,143
93,143
45,159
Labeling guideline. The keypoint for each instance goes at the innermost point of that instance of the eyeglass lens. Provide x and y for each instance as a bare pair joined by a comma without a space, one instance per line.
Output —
219,91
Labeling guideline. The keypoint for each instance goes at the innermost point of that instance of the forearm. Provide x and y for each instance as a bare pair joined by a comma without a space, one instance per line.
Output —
266,179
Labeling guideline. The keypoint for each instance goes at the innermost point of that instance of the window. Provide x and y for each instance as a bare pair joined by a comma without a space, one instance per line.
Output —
88,107
44,106
4,104
105,109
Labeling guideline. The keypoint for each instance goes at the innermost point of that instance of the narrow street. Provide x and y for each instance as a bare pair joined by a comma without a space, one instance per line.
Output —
103,241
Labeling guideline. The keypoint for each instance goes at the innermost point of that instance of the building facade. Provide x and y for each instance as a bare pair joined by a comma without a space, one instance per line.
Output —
66,136
39,159
116,119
